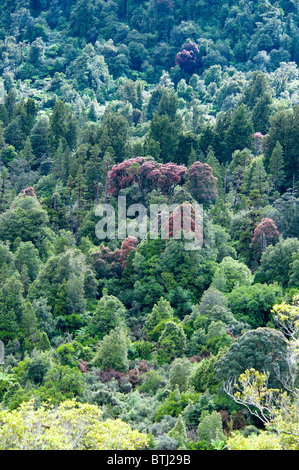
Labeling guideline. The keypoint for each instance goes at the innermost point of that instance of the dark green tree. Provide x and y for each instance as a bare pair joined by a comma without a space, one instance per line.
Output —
240,131
27,255
253,304
263,349
164,130
276,167
12,306
113,351
78,27
109,314
172,343
275,262
284,129
29,221
162,310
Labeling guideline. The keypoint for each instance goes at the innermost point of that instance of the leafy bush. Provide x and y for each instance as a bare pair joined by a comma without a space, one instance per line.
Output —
70,426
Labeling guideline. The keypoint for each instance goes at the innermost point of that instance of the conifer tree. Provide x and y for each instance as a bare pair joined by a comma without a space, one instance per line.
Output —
27,152
39,137
172,343
44,343
261,114
210,427
113,351
11,308
109,314
240,131
162,310
28,321
3,186
258,182
179,432
276,166
79,190
212,161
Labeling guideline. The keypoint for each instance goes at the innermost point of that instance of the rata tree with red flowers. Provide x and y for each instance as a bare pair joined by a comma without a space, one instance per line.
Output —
265,234
183,221
28,192
201,183
164,177
188,58
128,245
124,174
108,263
147,173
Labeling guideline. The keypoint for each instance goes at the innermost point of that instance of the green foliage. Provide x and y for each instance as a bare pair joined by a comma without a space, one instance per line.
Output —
37,368
172,342
253,304
210,427
179,373
27,256
11,308
194,411
61,382
161,311
113,351
204,378
67,353
276,166
276,261
239,134
26,219
273,407
179,433
288,120
152,382
263,349
175,404
109,314
62,282
71,426
231,273
261,441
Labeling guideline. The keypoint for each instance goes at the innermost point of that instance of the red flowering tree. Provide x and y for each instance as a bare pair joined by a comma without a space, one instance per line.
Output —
201,183
164,176
107,263
128,245
28,192
148,174
110,263
183,221
265,234
124,174
188,58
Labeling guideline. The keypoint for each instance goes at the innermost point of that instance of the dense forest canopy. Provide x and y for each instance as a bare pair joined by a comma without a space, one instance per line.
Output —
161,102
